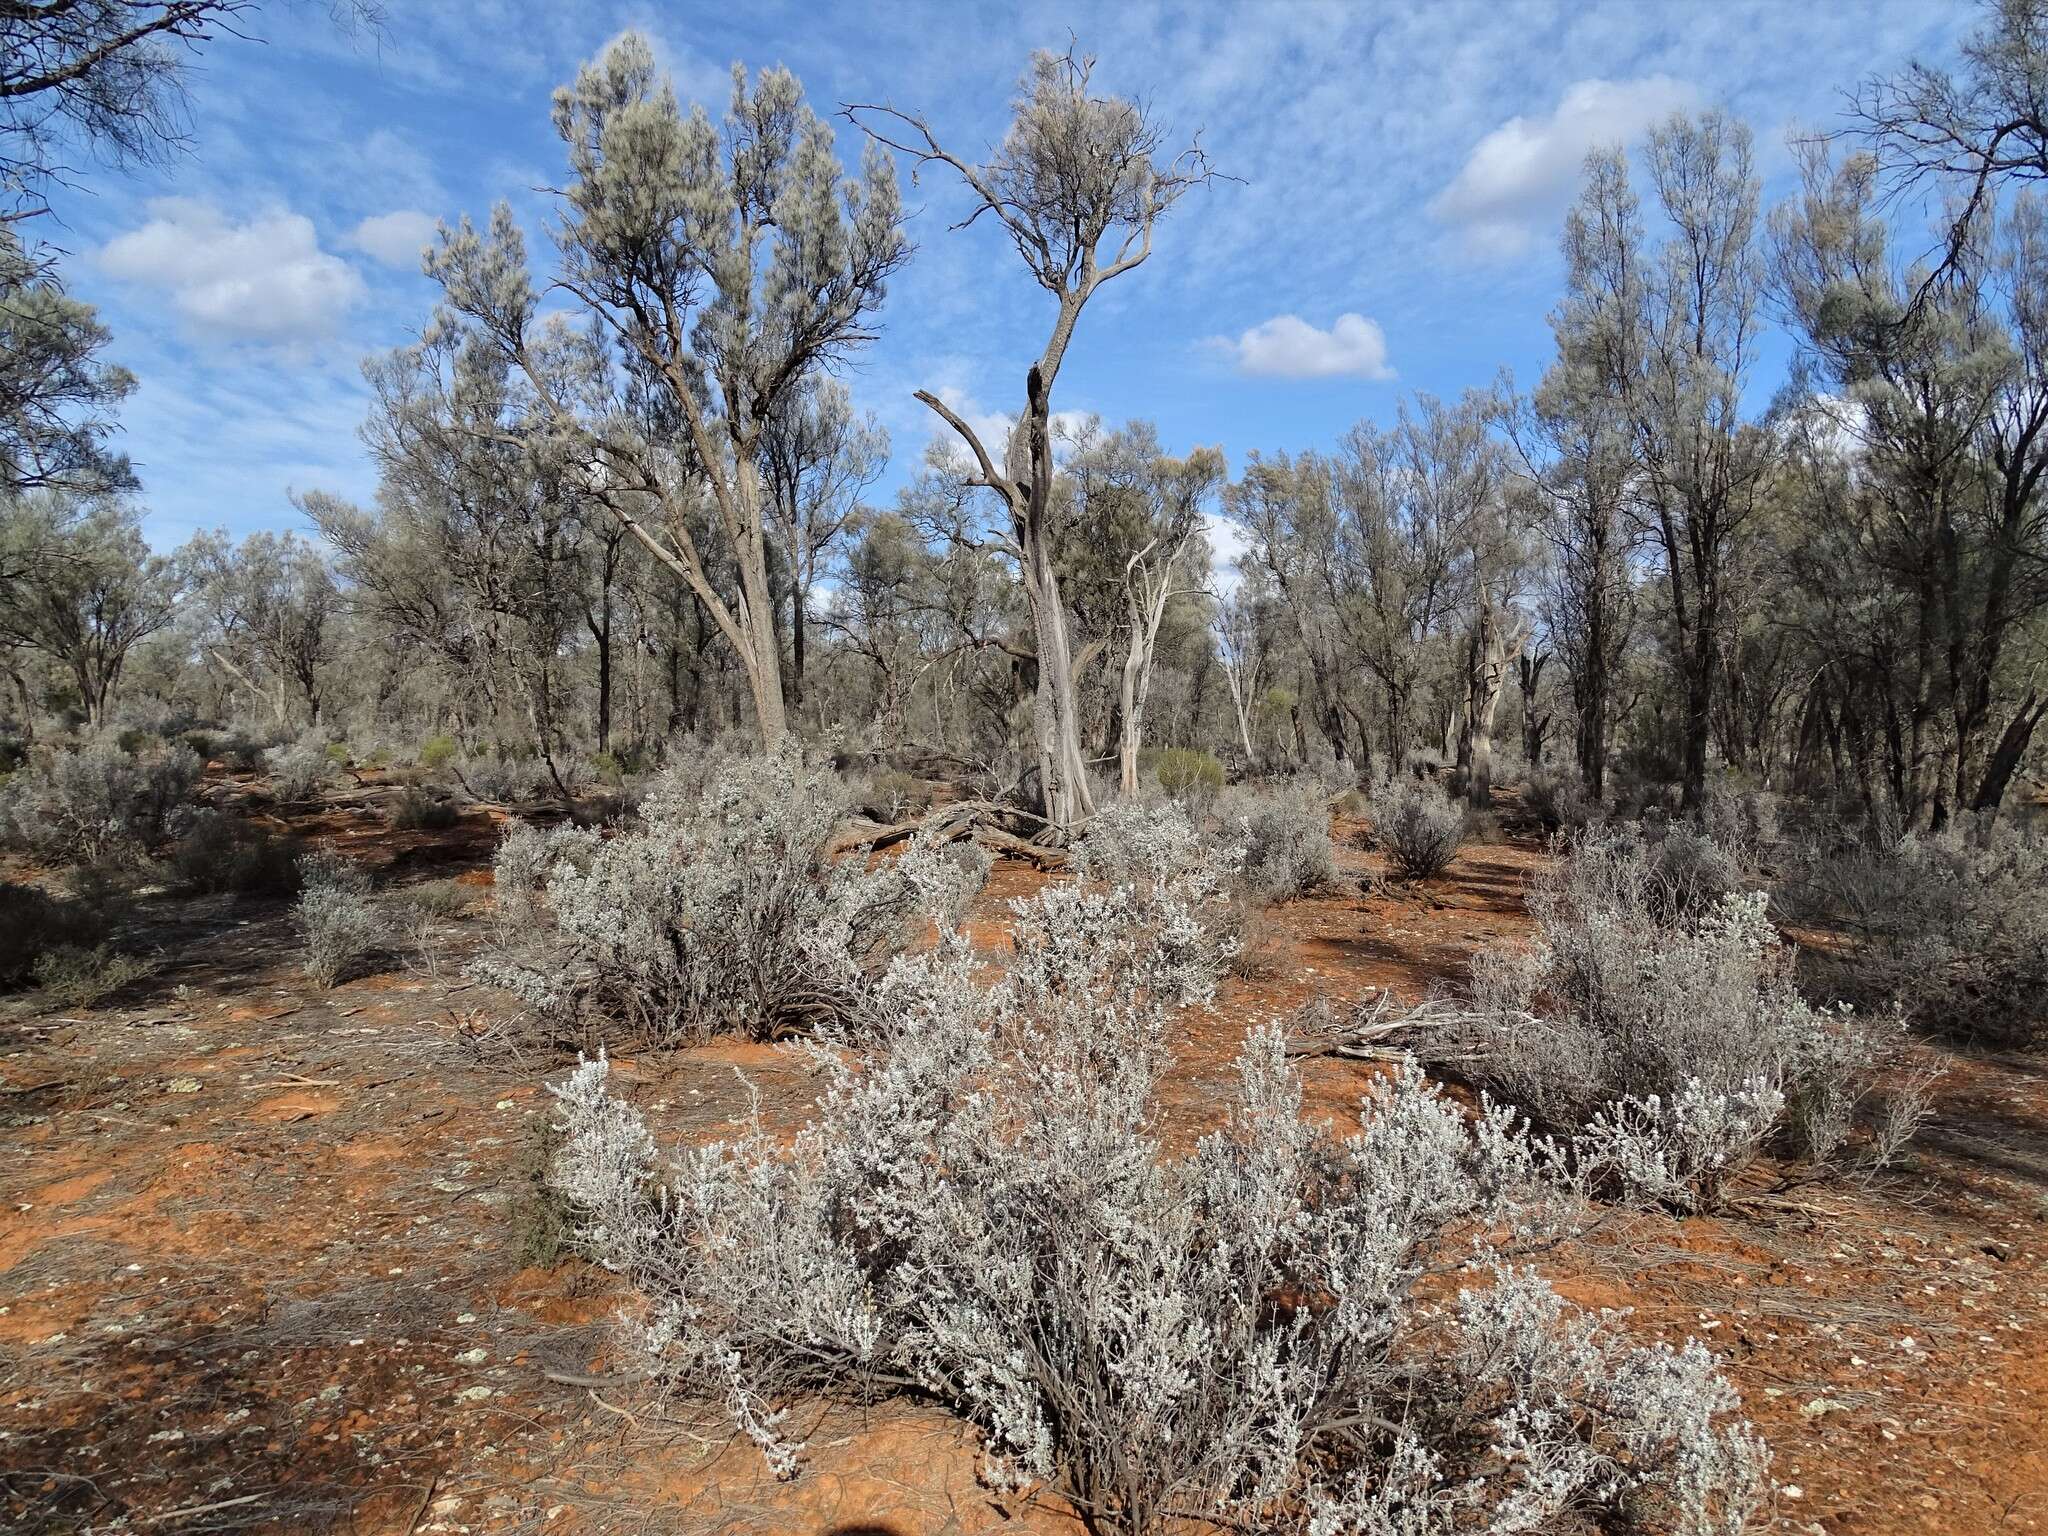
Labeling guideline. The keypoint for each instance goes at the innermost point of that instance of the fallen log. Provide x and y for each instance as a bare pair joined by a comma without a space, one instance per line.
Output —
975,821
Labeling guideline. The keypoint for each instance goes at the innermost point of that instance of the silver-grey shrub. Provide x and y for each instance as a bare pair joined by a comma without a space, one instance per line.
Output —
1165,874
300,769
340,923
722,911
1254,1333
1418,826
80,804
1664,1035
1951,926
1280,841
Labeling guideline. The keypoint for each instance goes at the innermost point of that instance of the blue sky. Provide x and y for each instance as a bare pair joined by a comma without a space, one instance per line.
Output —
1402,175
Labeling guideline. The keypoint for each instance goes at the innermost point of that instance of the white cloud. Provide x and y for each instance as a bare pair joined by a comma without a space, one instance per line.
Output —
395,238
1520,176
1288,347
265,279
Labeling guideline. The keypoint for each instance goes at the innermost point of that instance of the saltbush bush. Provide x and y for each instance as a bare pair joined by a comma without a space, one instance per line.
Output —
1952,926
1252,1334
340,922
98,802
1418,826
1557,799
722,911
1665,1039
419,810
1280,841
504,780
220,852
1155,859
299,770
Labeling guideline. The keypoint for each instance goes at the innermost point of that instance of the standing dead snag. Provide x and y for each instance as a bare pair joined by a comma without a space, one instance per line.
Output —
1077,186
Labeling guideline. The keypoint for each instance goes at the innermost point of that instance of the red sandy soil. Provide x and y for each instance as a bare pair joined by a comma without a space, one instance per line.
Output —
261,1259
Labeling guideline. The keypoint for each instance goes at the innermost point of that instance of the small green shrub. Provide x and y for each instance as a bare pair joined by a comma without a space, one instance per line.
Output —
437,752
75,977
1187,773
440,898
224,853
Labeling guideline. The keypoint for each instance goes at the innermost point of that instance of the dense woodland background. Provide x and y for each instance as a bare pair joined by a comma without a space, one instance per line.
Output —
653,522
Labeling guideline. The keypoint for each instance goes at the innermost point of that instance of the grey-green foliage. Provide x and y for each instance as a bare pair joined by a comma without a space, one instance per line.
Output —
300,769
340,921
735,261
82,804
1280,840
1664,1035
83,588
1418,826
1255,1332
1951,926
722,911
57,396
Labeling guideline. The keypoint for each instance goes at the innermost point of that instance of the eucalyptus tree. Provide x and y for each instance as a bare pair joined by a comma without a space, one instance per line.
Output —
57,397
88,592
1428,540
1078,184
876,609
1141,513
1286,508
1576,459
1942,397
108,75
267,614
1671,333
818,459
1964,137
729,265
1243,619
473,555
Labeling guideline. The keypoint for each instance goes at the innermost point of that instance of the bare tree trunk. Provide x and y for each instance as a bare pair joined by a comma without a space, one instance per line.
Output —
2006,756
1486,652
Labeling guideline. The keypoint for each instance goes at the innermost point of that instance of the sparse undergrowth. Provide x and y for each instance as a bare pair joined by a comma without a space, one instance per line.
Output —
340,922
722,911
1656,1030
1950,926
